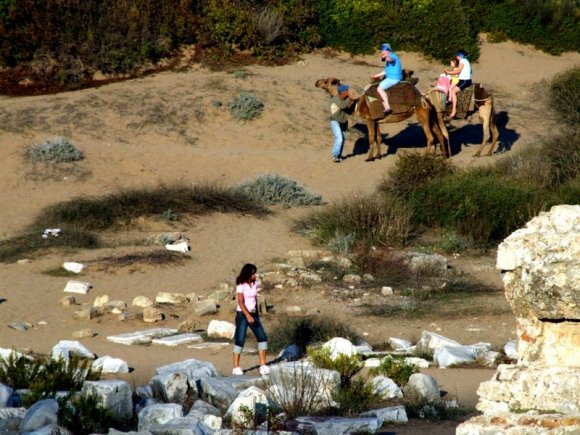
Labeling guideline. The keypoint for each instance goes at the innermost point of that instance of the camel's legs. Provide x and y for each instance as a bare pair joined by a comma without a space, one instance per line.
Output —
372,127
494,131
446,150
422,115
378,140
487,118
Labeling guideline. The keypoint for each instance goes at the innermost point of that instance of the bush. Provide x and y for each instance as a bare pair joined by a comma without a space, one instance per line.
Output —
359,396
85,414
359,220
346,365
58,150
396,369
305,331
274,189
565,96
413,170
418,406
245,107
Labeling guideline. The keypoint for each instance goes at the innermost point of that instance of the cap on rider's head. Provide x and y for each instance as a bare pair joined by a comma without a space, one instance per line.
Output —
460,54
386,47
342,88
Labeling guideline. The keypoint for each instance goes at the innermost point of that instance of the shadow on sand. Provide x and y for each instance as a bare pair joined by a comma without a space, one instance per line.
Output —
411,137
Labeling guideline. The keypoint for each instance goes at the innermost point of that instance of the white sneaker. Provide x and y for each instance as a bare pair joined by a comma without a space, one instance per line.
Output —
264,370
237,371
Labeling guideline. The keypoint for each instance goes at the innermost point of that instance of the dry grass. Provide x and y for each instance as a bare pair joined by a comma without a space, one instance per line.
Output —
149,258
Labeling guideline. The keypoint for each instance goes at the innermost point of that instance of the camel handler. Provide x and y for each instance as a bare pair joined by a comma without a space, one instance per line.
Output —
339,106
392,74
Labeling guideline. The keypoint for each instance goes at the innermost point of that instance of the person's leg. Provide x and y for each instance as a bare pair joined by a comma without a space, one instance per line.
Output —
239,337
382,91
454,102
262,339
338,139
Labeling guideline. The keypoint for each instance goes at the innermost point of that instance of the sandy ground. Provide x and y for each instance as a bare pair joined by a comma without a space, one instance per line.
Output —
167,128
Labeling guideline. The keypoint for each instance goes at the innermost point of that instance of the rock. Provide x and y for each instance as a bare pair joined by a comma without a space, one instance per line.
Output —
83,333
426,264
100,301
423,385
152,315
5,394
254,401
84,314
73,267
41,413
417,362
109,364
387,291
293,311
511,350
399,343
171,298
221,295
115,396
141,337
339,345
430,342
386,388
221,329
454,355
142,301
67,301
392,414
206,307
176,340
158,414
20,326
352,279
334,425
182,246
367,278
170,386
65,348
77,287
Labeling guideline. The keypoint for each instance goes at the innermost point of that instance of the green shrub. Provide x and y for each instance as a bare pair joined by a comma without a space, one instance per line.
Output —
418,406
245,107
274,189
359,396
305,331
565,96
396,369
413,170
85,414
346,365
365,219
57,150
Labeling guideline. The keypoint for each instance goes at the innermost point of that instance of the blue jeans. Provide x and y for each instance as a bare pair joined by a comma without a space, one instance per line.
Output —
338,132
241,329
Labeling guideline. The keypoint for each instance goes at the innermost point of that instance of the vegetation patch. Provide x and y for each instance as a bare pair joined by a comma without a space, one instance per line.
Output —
245,107
277,190
57,150
396,369
153,258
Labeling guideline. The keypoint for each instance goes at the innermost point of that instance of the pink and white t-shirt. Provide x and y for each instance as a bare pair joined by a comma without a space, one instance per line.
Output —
250,293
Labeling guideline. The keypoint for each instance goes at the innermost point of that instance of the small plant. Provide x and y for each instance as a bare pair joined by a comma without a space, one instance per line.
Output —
84,414
275,189
421,407
169,215
305,331
216,103
240,74
396,369
346,365
57,150
245,107
357,397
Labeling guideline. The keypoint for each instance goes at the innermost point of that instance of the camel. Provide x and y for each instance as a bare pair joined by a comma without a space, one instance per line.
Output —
405,99
483,103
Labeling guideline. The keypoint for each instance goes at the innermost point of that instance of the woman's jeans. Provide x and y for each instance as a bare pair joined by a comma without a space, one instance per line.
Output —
242,327
338,132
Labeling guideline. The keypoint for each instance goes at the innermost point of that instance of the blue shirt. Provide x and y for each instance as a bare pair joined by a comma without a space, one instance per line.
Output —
394,70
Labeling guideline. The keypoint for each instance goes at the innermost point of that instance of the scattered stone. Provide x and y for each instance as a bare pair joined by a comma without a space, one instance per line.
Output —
338,346
64,348
24,261
426,264
77,287
386,388
67,301
142,301
367,278
510,350
5,395
73,267
399,343
352,279
168,238
294,311
417,362
84,314
424,385
387,291
41,413
392,414
372,362
251,401
453,355
313,312
109,364
101,301
176,340
208,345
158,414
115,396
187,325
205,307
171,298
179,247
152,315
83,333
430,342
141,337
296,262
221,295
334,425
20,326
221,329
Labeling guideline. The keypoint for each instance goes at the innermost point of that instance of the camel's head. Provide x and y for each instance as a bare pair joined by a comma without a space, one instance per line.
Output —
329,84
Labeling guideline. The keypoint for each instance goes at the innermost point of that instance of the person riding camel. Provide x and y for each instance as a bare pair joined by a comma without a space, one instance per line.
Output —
463,70
392,74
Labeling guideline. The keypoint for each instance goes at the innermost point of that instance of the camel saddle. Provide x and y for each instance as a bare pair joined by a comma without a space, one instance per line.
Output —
402,97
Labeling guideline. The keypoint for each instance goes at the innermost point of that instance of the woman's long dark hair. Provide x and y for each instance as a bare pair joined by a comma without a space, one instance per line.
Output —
246,273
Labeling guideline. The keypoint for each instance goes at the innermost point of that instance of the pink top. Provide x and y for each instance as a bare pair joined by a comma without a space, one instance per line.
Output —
250,293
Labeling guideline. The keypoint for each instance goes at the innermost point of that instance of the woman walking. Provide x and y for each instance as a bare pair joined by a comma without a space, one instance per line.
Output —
247,287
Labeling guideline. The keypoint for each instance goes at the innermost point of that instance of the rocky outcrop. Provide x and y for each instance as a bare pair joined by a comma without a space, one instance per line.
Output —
541,274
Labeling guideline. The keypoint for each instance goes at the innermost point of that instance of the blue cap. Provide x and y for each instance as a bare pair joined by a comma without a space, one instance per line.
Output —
342,88
460,53
386,47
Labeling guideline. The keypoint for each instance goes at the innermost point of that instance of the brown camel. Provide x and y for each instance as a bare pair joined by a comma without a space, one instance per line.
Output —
405,99
483,103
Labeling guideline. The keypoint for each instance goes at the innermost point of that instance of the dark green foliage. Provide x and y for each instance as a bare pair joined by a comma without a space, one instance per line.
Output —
396,369
414,170
359,396
305,331
120,208
274,189
57,150
18,372
84,414
418,406
565,96
478,204
245,107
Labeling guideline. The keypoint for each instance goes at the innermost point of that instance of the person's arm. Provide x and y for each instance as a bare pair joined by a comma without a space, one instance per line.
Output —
378,76
242,305
455,70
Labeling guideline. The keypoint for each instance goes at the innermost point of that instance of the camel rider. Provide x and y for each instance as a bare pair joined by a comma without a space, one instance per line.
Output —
392,74
463,70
